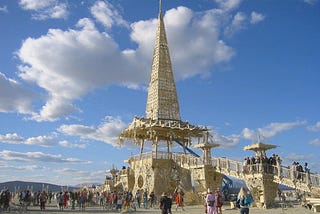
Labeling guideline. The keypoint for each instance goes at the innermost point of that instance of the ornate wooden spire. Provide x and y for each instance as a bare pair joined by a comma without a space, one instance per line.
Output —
162,100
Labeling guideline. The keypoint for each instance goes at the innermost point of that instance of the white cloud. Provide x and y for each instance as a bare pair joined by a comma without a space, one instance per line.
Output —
315,127
256,17
296,157
225,141
270,130
45,9
37,157
274,128
108,131
249,134
197,30
35,4
4,9
66,144
105,13
239,22
315,142
14,97
68,64
228,4
14,138
311,2
45,141
21,168
53,62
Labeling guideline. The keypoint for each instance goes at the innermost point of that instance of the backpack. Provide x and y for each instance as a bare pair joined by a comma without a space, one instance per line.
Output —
210,203
240,202
165,203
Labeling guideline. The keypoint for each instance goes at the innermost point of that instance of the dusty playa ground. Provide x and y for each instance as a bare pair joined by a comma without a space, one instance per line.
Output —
293,209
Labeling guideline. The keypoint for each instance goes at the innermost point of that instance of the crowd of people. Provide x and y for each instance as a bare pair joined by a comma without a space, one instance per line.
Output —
262,163
79,199
299,172
273,165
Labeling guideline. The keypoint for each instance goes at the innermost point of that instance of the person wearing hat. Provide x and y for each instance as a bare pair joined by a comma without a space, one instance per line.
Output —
165,204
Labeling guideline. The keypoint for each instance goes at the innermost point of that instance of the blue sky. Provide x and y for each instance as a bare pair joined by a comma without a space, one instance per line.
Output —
73,74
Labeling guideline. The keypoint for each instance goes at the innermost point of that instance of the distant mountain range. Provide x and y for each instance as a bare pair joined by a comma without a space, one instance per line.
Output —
35,186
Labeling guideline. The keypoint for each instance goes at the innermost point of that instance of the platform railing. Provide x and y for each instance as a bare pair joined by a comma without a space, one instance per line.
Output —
282,174
180,158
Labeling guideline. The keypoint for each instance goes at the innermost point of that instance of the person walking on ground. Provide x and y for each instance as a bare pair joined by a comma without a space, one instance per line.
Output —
145,199
218,201
179,200
43,199
244,200
210,203
165,204
60,201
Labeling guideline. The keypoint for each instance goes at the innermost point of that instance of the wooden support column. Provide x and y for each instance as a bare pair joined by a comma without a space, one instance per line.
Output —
141,147
156,146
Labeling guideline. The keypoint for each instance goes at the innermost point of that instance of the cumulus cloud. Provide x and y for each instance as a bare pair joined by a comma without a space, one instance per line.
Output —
14,138
37,157
314,128
225,141
49,9
270,130
68,64
108,131
256,17
197,31
66,144
274,128
239,22
248,134
14,96
105,13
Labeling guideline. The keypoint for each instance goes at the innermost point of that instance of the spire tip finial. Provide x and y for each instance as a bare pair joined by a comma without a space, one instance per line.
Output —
160,6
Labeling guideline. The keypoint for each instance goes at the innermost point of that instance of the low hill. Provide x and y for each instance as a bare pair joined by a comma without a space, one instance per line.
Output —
35,186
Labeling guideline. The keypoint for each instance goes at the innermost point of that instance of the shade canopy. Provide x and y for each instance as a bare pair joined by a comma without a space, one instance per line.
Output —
259,147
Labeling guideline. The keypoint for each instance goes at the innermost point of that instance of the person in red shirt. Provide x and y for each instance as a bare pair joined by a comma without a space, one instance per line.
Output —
179,200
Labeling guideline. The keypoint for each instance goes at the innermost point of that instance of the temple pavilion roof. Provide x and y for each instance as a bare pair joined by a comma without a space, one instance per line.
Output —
259,147
161,130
